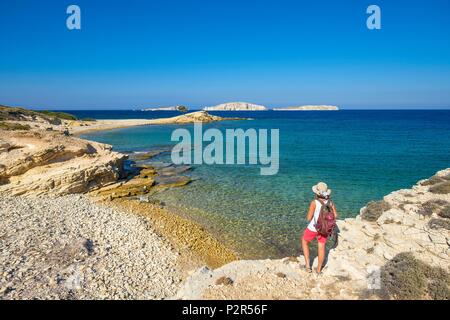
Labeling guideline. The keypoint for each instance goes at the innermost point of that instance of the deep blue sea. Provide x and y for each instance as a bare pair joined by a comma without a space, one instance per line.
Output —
362,155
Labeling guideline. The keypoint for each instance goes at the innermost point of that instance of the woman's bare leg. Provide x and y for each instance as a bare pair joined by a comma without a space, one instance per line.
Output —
321,254
305,247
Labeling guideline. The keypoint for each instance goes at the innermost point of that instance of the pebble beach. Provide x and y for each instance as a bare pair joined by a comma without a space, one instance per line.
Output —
71,248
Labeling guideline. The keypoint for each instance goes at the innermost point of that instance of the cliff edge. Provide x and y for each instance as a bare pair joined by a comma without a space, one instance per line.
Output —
396,248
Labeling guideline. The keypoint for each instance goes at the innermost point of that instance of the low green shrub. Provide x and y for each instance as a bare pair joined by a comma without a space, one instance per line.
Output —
58,115
14,126
432,206
18,114
374,210
439,224
438,283
405,277
432,181
445,212
441,188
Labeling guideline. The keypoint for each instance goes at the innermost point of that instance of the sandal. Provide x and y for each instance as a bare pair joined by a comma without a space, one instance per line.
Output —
308,269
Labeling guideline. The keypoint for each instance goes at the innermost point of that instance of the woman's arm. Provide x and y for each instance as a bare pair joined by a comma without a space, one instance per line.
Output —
312,208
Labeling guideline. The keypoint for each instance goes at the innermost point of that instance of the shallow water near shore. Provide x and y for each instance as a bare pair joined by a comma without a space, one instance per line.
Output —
362,155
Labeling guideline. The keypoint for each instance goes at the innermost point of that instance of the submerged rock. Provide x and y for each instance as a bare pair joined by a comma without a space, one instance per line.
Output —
173,170
141,156
172,181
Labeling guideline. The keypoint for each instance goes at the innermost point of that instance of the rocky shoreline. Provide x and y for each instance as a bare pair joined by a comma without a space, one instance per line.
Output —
75,225
397,248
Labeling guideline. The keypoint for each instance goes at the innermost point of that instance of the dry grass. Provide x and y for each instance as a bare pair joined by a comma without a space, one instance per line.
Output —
292,259
224,281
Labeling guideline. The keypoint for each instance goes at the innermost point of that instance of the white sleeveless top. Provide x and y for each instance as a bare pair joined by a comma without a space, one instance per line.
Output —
316,215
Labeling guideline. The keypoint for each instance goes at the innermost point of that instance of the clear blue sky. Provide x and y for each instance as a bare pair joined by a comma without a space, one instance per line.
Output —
150,53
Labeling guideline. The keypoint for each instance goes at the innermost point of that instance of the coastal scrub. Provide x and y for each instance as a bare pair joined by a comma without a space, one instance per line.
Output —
434,206
374,210
439,224
59,115
441,188
404,277
13,126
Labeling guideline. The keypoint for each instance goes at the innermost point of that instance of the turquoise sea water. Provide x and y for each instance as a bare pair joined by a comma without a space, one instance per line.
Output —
362,155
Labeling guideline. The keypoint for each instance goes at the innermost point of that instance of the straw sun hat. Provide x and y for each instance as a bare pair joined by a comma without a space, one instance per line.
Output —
321,189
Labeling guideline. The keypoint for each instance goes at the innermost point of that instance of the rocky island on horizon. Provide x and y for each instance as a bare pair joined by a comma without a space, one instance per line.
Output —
54,184
245,106
308,108
236,106
180,108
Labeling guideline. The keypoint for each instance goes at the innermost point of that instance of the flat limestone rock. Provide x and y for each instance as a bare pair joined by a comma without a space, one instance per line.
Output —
49,162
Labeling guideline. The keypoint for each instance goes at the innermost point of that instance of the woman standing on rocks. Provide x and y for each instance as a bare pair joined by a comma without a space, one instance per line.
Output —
322,217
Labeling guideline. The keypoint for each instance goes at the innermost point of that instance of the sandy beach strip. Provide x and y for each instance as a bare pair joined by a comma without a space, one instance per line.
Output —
79,127
103,125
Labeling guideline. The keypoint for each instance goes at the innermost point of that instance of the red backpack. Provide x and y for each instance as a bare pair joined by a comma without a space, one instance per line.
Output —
326,221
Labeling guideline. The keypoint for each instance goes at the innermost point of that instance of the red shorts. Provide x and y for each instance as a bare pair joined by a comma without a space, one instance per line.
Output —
309,236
